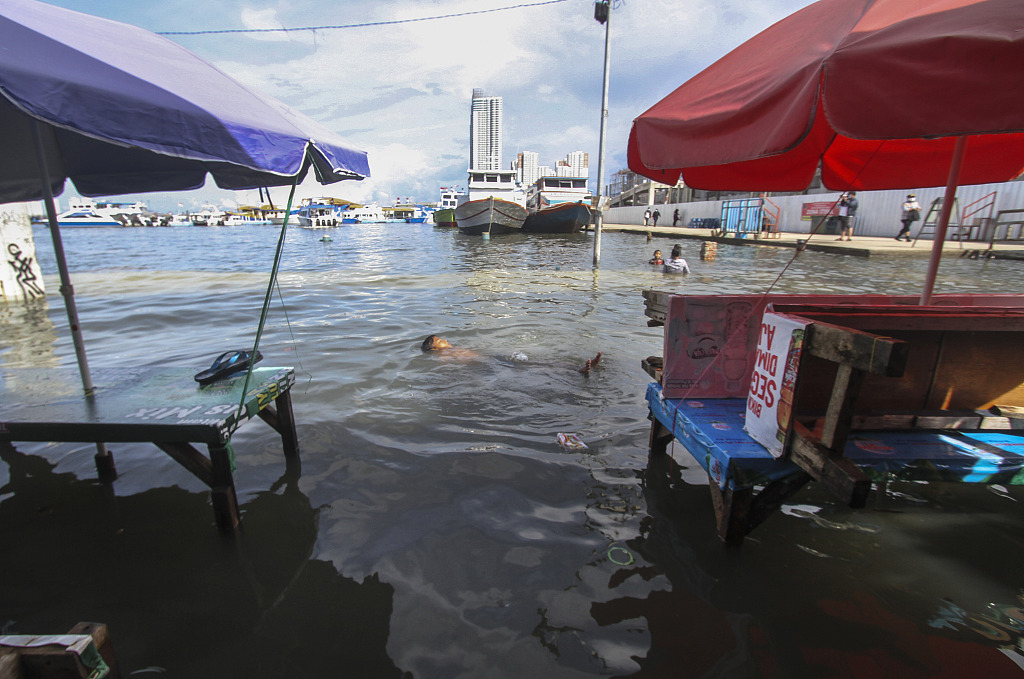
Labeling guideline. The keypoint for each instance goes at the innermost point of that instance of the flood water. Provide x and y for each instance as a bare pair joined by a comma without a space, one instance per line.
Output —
437,528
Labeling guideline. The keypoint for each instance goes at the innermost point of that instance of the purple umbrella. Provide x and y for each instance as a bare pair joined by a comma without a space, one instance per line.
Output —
117,109
123,110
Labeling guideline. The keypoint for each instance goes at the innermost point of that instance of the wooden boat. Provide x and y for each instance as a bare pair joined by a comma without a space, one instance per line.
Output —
491,216
445,217
563,218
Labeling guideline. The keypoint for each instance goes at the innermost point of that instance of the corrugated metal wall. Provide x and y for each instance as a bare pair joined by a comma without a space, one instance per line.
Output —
878,214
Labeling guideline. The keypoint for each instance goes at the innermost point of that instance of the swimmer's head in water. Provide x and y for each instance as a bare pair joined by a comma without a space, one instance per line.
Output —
433,343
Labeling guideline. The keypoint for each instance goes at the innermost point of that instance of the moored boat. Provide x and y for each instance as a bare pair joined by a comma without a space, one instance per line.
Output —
86,217
317,216
491,216
86,212
564,218
493,204
444,217
363,214
558,205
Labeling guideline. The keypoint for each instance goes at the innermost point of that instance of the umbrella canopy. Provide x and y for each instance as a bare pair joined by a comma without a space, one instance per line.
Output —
876,91
125,111
118,109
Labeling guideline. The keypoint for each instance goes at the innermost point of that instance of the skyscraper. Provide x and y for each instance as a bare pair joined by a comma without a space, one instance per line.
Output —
578,161
485,132
528,167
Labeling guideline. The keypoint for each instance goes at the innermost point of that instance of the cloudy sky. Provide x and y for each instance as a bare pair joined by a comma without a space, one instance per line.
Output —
402,91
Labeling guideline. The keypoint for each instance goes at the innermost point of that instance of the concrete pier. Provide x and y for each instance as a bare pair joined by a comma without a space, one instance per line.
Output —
866,246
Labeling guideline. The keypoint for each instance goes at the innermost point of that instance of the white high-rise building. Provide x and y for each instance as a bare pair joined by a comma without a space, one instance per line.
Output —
578,162
528,167
485,132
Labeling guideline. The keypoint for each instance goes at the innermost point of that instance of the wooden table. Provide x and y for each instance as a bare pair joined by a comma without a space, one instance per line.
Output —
164,406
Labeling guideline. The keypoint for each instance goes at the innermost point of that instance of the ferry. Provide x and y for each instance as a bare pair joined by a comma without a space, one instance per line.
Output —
406,214
320,212
363,214
209,216
87,212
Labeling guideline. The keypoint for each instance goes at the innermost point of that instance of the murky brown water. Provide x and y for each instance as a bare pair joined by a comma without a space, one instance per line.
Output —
437,529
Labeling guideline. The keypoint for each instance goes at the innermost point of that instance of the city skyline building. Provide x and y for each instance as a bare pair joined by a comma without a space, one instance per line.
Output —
485,132
527,167
579,163
529,170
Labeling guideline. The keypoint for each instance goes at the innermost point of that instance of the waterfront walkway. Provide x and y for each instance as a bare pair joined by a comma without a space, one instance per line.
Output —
860,246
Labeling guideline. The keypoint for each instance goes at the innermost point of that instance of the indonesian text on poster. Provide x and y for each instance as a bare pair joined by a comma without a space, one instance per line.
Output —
773,381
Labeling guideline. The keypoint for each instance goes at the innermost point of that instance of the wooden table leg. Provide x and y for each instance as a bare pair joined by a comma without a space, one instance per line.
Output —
661,437
286,425
732,509
282,420
222,490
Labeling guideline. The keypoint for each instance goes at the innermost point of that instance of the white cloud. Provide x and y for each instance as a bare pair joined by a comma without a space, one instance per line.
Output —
402,91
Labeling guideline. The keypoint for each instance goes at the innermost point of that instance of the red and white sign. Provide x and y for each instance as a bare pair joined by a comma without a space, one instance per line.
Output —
818,209
773,380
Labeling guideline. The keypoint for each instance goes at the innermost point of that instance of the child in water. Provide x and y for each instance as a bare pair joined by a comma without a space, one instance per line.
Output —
657,259
676,264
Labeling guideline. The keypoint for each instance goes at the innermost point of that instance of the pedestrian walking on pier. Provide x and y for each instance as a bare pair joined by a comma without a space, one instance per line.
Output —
911,213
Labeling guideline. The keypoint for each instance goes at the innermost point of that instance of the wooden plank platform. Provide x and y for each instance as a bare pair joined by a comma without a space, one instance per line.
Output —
164,406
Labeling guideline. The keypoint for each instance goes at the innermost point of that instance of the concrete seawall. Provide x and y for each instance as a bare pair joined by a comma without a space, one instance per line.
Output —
860,246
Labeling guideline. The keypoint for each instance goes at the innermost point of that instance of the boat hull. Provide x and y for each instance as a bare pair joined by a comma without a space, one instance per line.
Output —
564,218
444,217
492,216
101,223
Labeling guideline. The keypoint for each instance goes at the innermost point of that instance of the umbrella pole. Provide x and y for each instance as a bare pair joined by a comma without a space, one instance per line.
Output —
959,151
104,460
598,211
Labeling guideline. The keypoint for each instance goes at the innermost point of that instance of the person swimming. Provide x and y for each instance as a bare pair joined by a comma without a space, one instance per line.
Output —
657,259
440,344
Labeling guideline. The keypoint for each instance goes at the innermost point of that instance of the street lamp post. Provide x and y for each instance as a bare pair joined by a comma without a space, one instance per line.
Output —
603,14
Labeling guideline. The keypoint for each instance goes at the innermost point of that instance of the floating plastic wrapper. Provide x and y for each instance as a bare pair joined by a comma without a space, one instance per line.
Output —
571,442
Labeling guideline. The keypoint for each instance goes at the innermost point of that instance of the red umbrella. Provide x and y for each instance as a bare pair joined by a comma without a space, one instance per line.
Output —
884,94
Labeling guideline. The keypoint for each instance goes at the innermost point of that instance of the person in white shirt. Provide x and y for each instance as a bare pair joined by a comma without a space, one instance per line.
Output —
676,263
911,213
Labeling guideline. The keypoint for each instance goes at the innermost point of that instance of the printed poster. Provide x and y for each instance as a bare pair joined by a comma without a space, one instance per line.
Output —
773,380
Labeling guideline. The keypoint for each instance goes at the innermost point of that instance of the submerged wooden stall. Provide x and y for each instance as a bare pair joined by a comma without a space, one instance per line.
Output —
84,652
164,406
770,392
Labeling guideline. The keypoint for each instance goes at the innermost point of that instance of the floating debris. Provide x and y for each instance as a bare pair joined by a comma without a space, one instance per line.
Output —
571,442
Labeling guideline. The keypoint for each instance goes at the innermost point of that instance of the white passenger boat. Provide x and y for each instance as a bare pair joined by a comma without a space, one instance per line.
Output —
317,215
87,212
